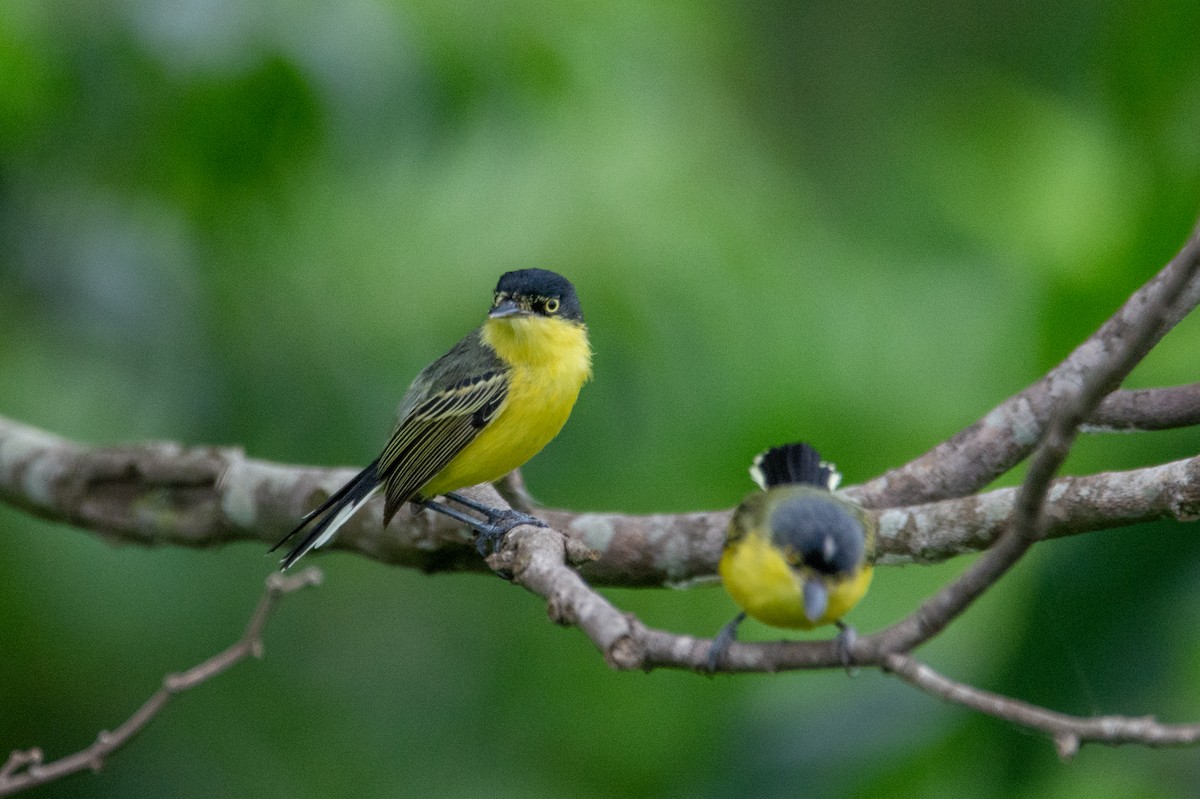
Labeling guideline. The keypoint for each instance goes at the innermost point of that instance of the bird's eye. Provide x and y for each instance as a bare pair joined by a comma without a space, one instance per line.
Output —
552,305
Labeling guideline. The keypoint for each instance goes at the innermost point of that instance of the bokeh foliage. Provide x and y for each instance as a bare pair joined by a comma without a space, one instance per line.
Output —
858,223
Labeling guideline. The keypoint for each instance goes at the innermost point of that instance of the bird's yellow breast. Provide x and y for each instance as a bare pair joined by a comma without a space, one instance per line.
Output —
549,361
762,582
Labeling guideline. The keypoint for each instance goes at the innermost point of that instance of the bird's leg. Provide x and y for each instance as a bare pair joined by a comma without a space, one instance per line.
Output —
724,638
846,637
488,533
453,513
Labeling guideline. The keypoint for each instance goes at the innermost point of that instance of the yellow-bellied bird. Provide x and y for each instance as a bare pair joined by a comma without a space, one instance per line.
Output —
796,555
475,414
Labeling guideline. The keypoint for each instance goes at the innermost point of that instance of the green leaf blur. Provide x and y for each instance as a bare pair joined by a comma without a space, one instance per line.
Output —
858,224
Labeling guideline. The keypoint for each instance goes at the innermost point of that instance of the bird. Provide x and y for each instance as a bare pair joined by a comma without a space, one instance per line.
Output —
796,555
491,403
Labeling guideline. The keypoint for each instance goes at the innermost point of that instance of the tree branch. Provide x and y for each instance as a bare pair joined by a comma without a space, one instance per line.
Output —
1146,409
25,769
941,530
1068,732
164,494
1030,523
991,446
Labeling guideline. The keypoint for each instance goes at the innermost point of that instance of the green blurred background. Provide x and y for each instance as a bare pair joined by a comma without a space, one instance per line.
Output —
863,224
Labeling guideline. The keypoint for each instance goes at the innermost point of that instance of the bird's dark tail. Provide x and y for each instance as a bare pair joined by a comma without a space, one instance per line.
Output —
793,463
325,520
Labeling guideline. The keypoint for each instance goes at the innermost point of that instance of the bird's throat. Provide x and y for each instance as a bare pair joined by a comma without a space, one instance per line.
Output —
542,344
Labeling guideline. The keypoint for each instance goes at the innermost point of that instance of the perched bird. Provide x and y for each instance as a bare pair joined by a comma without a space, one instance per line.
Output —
475,414
795,555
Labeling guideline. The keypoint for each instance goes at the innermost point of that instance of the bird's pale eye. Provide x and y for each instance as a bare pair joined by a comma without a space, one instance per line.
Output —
552,305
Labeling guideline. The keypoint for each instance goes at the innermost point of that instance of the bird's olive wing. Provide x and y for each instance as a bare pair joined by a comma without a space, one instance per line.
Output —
435,430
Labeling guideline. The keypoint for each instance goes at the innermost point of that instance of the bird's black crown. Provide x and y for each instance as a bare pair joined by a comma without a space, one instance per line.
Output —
538,286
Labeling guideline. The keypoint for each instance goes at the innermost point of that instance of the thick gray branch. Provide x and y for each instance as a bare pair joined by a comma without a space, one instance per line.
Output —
165,494
1147,409
941,530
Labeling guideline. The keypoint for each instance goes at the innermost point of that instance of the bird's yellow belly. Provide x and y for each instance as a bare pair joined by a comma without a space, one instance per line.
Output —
536,408
768,589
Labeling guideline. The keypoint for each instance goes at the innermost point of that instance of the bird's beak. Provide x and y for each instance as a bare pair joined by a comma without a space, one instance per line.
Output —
507,307
816,599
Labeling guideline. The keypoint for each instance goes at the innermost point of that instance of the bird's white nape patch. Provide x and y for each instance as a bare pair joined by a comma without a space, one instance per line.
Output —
756,472
835,477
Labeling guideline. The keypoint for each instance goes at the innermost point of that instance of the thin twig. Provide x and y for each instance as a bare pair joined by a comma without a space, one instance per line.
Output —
1068,732
25,768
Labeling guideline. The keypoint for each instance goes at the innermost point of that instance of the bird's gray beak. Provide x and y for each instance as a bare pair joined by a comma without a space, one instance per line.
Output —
816,599
507,307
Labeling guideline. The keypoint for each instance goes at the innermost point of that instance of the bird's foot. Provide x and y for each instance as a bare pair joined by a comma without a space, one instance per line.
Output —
491,532
721,643
844,642
489,535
